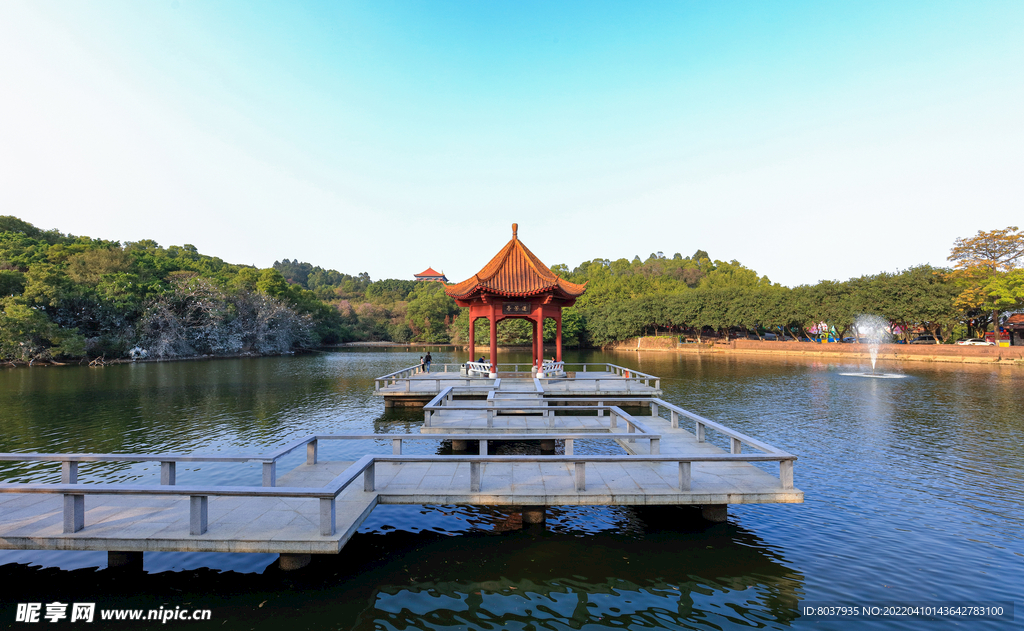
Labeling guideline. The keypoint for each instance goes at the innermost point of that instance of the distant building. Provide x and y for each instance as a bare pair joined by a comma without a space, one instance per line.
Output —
1015,327
432,275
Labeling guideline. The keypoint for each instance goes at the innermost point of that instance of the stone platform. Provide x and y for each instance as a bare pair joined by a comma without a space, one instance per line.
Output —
317,506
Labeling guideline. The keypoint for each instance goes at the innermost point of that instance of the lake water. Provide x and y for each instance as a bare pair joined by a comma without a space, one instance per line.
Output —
914,494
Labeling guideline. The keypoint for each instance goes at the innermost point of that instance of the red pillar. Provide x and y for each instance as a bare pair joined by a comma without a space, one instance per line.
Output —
540,341
472,336
537,342
534,323
558,336
494,343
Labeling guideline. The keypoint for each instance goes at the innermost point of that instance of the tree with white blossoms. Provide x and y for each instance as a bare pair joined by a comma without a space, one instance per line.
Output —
198,318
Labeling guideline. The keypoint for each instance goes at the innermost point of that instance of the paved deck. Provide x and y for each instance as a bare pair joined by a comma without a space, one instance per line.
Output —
132,523
293,525
420,388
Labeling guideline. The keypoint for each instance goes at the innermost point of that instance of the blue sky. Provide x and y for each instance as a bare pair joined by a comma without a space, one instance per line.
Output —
807,140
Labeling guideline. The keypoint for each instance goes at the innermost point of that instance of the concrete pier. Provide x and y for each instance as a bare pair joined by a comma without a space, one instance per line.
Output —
128,560
664,456
289,562
534,515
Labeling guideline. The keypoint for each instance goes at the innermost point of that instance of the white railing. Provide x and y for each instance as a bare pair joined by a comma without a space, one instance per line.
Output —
445,402
551,368
482,368
401,380
701,425
399,375
74,493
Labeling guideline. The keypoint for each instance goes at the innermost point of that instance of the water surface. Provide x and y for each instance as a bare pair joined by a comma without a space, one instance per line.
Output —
913,494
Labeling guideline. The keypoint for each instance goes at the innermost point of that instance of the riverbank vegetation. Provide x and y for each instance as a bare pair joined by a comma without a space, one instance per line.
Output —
67,297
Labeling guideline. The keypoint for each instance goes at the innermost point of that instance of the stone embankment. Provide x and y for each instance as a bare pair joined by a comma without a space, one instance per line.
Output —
949,353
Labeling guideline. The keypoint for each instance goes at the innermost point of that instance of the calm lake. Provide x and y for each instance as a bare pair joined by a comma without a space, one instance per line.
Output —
914,494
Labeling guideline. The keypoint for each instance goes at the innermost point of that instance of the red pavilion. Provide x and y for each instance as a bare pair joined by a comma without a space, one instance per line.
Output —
516,284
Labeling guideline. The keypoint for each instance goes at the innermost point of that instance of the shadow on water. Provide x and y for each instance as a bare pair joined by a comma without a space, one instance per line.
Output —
494,574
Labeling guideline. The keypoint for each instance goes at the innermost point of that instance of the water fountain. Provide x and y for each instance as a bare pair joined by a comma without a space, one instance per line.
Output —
875,330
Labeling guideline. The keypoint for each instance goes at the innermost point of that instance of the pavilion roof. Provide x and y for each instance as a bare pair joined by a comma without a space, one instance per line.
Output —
515,272
430,271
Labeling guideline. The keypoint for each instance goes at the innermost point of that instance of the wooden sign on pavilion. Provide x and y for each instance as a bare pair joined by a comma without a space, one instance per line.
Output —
516,284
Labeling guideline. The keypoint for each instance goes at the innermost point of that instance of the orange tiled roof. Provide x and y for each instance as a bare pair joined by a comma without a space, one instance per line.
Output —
430,271
515,271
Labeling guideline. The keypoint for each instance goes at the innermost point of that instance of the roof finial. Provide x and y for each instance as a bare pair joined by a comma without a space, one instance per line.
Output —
515,230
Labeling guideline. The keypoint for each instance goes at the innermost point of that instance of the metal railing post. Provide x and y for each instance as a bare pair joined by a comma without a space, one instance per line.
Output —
684,476
74,513
168,471
327,516
368,478
474,477
69,472
786,473
198,514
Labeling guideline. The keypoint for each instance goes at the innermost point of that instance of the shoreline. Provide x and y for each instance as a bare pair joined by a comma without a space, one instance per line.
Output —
928,353
933,353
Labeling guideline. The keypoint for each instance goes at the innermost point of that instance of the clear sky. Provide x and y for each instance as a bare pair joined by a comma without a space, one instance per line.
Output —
808,140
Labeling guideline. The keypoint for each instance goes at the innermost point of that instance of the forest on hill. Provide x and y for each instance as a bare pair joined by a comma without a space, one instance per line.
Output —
69,297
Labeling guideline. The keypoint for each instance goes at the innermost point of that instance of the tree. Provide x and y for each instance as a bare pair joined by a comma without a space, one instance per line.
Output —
430,313
981,263
26,334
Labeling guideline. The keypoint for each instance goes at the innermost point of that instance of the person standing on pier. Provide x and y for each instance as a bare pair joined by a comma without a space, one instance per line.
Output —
426,361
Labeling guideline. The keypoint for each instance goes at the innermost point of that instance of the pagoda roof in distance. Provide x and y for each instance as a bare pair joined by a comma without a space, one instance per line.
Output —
430,271
515,272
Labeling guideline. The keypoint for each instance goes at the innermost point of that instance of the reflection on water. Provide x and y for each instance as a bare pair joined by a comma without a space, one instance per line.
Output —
913,492
485,577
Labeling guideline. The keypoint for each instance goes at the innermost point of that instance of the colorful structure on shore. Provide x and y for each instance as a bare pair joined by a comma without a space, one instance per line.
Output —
516,284
430,274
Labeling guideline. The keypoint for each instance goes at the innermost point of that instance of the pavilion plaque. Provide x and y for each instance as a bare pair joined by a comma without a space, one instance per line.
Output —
516,308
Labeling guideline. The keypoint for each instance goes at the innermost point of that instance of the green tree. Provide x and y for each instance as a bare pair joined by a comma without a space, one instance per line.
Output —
980,262
430,313
26,334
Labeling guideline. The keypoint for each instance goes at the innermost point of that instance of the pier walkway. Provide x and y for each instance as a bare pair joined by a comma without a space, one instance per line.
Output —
316,506
413,386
